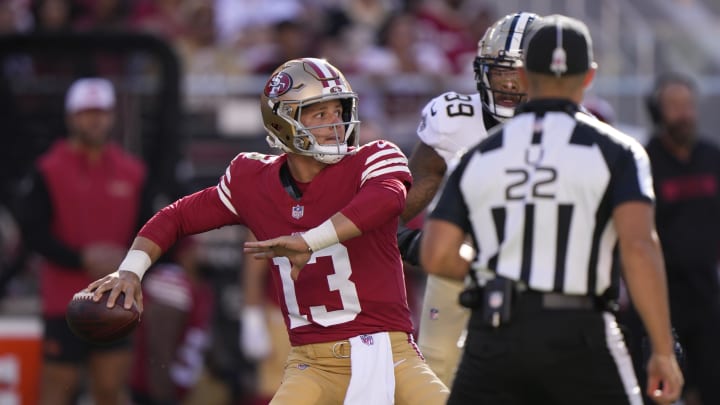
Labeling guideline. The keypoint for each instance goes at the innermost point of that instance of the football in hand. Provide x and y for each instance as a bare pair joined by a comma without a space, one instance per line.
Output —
96,323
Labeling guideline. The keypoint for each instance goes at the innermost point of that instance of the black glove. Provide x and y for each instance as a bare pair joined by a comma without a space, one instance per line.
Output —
409,244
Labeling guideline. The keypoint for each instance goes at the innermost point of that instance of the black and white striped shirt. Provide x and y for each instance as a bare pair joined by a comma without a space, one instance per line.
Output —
538,194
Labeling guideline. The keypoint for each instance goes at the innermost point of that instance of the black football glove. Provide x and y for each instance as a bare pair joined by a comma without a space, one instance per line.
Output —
409,244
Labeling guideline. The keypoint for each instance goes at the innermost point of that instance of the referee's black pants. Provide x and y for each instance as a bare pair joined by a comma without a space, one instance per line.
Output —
546,356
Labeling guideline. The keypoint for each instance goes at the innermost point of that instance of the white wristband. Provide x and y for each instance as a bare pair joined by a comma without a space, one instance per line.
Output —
136,261
321,236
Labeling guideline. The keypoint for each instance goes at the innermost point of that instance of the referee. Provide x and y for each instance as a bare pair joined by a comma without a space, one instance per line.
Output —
547,199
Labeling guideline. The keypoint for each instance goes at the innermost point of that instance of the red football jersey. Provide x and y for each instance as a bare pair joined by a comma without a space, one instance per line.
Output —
91,203
345,290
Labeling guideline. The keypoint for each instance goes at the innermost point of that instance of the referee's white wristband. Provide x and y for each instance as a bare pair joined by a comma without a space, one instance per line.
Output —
136,261
321,236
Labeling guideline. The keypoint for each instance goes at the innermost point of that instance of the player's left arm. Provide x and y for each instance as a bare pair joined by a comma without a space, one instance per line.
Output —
428,170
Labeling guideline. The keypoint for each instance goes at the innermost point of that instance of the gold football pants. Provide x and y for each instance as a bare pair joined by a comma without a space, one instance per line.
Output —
442,323
319,373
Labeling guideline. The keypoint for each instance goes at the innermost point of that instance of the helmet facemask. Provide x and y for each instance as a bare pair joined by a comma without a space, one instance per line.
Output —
302,86
499,86
499,56
305,143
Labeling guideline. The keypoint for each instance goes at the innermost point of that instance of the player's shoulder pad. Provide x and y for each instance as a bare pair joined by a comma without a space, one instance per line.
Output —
380,149
448,113
382,157
256,158
249,162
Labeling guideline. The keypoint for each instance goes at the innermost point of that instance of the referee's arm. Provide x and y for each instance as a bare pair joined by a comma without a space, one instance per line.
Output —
644,272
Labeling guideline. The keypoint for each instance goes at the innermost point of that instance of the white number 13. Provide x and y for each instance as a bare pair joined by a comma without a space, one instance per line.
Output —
338,281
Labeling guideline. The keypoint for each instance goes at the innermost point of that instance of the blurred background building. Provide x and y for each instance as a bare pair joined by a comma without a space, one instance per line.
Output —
189,72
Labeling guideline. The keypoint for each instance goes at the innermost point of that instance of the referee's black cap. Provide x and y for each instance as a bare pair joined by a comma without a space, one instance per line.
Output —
558,45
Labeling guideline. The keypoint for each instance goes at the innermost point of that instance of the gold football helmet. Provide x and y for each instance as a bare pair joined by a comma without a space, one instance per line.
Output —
293,86
499,56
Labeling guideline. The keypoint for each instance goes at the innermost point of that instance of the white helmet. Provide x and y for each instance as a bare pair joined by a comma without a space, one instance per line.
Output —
500,51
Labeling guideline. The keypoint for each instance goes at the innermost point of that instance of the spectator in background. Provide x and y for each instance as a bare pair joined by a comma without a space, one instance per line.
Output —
400,50
53,16
79,211
400,57
198,47
171,341
686,170
240,21
291,39
105,15
454,26
351,26
160,17
14,16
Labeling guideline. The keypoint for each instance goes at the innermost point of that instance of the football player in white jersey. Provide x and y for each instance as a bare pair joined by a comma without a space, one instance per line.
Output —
450,124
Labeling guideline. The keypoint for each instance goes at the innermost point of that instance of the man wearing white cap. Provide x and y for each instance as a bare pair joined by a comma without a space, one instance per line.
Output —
80,212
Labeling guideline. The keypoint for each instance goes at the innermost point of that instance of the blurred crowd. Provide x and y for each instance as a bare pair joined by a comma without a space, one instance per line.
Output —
253,36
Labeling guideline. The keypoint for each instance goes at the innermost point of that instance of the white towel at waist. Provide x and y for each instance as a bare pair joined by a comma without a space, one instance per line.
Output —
373,374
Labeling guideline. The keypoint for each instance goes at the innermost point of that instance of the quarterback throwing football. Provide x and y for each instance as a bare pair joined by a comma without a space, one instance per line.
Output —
325,214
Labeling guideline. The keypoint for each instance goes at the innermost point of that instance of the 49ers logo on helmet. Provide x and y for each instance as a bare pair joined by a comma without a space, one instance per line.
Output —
278,85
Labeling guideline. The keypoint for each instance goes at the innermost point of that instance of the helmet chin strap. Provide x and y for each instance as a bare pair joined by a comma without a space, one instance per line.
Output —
273,142
503,113
330,154
500,113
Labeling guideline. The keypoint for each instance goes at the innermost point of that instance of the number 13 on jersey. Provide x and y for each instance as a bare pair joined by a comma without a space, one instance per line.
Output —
338,281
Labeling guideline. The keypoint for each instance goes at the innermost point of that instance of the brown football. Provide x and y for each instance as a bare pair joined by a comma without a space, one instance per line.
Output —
96,323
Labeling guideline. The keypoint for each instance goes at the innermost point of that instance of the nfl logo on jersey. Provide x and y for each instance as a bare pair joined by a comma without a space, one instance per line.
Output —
367,340
298,211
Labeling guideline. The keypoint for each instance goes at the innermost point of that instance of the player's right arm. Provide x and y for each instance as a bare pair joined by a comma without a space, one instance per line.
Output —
202,211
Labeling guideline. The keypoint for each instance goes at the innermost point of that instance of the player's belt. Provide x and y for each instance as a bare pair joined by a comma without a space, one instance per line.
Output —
339,349
547,300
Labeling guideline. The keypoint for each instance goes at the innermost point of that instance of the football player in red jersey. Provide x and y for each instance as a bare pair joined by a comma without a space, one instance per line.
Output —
326,213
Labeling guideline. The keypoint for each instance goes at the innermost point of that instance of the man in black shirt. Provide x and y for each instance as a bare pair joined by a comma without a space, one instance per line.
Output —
686,171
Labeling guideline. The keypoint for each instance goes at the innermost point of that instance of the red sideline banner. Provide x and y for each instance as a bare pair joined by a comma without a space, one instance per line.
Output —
20,356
